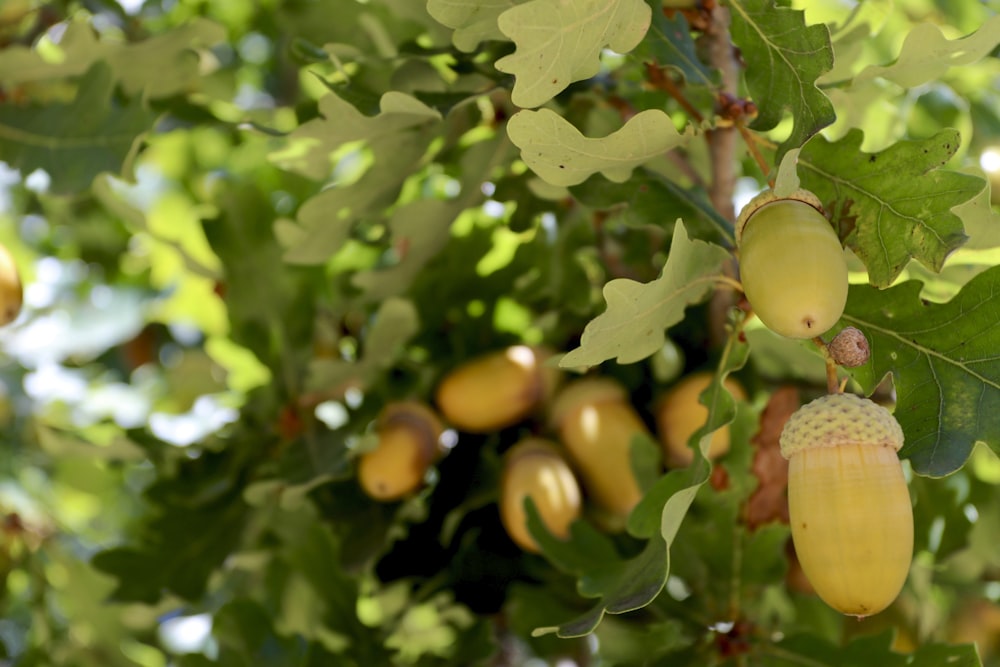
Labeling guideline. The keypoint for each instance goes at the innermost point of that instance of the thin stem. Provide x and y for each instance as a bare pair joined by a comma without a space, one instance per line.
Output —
667,84
732,283
833,385
751,143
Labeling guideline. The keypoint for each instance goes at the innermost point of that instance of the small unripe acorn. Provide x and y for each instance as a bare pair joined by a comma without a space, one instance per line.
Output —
408,434
534,468
596,423
11,290
849,348
792,265
849,508
679,414
496,390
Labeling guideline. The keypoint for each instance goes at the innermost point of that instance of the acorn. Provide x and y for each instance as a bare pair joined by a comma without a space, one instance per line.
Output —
849,507
497,389
596,423
408,441
792,264
680,413
11,290
534,468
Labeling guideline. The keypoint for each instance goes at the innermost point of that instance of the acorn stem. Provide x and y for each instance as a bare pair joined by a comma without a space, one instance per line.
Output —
833,386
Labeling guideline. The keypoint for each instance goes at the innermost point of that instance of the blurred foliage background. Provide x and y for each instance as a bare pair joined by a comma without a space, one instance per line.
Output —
202,351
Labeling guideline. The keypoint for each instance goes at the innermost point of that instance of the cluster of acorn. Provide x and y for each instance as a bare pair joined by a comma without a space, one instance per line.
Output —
589,454
849,508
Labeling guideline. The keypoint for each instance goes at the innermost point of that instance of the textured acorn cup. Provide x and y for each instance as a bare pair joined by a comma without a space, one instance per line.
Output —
849,508
679,414
498,389
596,423
11,290
408,442
534,468
792,265
850,348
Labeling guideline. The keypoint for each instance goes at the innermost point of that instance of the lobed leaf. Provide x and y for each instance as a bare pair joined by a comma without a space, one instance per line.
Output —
172,55
784,59
637,315
474,21
308,148
648,197
75,142
927,55
560,154
944,363
561,42
891,205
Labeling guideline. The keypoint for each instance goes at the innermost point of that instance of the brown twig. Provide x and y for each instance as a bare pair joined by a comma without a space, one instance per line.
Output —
722,144
656,77
751,143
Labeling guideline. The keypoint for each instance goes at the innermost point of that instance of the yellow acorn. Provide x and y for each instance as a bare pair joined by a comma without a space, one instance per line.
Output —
11,291
679,414
497,389
533,468
408,442
849,508
792,265
596,423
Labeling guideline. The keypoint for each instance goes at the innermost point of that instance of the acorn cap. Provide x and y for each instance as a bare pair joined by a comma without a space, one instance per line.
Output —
768,197
840,419
586,391
415,415
850,348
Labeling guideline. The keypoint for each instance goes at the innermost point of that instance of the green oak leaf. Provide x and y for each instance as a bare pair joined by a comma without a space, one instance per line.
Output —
172,55
927,55
420,229
560,154
308,147
943,359
669,44
324,222
621,585
650,198
898,201
75,142
638,314
205,494
561,42
784,58
474,21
